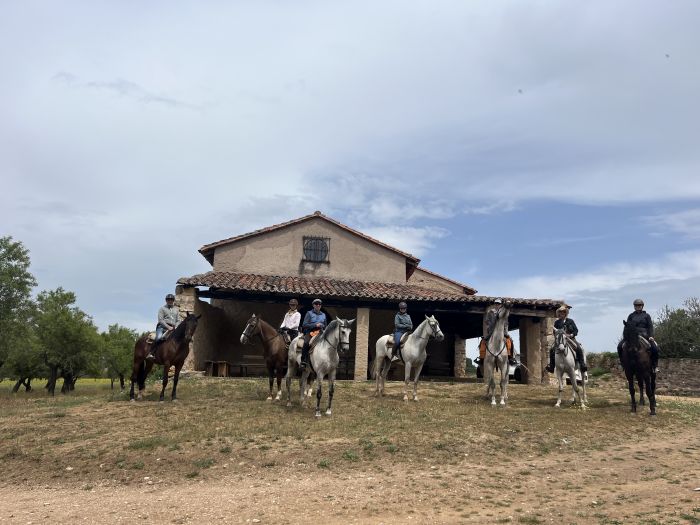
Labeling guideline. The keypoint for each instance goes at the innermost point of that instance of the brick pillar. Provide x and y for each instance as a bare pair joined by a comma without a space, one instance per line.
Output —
186,301
460,357
361,344
546,342
530,352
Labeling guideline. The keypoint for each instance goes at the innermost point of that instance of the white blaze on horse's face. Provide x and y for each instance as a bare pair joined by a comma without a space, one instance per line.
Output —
249,329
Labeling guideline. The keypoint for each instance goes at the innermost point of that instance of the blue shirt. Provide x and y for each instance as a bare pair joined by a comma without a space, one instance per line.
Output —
310,320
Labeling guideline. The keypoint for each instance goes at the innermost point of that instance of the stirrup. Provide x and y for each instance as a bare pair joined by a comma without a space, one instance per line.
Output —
394,357
151,357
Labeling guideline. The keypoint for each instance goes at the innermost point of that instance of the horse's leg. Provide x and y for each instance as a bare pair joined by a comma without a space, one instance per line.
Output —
640,383
302,387
271,373
278,397
134,376
166,367
406,379
583,399
386,368
574,385
504,381
176,378
630,384
560,381
651,395
415,381
291,371
331,389
319,393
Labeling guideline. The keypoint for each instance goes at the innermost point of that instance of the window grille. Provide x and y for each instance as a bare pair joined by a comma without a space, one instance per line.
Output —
316,249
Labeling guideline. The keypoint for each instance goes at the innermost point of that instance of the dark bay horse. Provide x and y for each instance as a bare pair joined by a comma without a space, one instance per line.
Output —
274,349
636,360
171,352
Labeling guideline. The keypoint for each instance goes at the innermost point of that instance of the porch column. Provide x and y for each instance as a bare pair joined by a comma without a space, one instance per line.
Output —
186,301
361,344
530,352
460,357
546,342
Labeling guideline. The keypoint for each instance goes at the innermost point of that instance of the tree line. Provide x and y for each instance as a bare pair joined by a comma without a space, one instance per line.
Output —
48,336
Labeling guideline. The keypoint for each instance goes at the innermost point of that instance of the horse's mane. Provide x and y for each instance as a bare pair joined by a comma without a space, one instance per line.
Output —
331,326
179,332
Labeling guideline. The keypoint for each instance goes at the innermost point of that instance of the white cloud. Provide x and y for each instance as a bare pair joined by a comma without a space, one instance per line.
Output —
686,223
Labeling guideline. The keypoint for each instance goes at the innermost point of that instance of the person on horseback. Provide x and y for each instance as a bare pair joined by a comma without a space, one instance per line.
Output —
489,324
290,324
645,327
571,331
402,324
315,321
168,318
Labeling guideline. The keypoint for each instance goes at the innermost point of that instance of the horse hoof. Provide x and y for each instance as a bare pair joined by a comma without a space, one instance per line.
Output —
133,400
405,398
318,415
269,398
174,400
289,404
415,398
328,412
493,403
558,405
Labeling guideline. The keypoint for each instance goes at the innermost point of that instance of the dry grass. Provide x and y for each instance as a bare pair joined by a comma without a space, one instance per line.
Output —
221,429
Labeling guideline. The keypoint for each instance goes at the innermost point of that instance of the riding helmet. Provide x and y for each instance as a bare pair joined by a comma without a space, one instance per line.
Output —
402,304
169,296
638,302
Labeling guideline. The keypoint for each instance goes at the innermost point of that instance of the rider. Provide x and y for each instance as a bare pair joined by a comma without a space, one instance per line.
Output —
168,317
645,326
490,320
290,324
571,331
314,322
402,324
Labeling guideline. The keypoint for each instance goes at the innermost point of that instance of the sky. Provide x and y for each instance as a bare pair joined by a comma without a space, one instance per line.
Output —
528,149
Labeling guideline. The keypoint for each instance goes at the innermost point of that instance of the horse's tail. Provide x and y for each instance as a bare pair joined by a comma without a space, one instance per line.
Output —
141,375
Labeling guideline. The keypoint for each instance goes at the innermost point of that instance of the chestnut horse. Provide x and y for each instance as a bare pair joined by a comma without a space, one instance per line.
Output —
170,352
274,349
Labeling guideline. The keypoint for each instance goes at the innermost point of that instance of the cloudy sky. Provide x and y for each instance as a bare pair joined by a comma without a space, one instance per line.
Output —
539,149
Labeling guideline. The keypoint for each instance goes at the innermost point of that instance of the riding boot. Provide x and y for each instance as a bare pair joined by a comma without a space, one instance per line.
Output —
581,362
304,357
550,367
619,351
152,352
394,353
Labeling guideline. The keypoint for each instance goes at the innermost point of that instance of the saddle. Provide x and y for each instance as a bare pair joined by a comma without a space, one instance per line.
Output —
390,341
483,343
312,341
152,337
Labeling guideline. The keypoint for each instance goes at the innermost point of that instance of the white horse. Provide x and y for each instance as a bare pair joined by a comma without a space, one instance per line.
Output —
324,361
497,358
412,354
565,363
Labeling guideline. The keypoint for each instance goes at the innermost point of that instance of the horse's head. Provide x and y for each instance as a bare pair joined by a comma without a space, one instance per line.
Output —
560,339
630,335
190,323
344,328
434,328
249,330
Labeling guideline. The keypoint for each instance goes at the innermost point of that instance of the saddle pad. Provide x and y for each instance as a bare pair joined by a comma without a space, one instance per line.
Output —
151,337
390,341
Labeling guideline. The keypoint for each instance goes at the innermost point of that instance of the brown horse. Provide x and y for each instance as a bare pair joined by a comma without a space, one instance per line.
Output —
171,352
274,349
636,361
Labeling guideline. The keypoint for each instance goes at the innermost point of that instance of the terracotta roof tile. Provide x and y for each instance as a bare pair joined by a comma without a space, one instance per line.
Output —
343,288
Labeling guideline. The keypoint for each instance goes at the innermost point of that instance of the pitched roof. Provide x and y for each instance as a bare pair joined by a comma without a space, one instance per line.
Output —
208,249
467,289
289,285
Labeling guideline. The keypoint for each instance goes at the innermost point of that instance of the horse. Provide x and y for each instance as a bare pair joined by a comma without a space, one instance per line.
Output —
565,363
497,358
636,362
171,352
323,360
412,354
274,349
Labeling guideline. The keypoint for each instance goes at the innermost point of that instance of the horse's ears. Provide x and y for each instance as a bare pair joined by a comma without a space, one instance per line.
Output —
351,321
426,316
624,322
253,315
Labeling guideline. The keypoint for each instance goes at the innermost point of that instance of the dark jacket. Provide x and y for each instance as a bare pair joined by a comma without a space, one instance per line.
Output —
402,322
643,322
568,324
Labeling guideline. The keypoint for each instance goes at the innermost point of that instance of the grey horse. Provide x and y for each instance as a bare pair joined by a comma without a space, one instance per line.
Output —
565,363
324,361
413,355
496,358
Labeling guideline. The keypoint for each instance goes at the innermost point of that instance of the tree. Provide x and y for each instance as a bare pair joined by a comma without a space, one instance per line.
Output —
118,352
68,338
16,283
678,330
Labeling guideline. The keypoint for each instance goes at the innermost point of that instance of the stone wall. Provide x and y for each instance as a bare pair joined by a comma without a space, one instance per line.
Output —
460,359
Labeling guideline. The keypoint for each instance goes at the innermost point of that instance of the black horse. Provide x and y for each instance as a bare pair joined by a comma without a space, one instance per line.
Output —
636,360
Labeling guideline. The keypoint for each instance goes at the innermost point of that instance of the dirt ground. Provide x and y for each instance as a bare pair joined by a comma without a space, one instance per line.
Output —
224,453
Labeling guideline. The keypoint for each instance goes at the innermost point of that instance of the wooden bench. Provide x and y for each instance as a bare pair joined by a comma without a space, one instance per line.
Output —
250,362
218,368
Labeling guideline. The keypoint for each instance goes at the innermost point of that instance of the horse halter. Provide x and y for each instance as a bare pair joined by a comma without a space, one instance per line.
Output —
560,341
344,345
250,327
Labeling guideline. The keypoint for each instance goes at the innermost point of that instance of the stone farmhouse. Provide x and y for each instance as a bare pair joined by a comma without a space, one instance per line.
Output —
356,276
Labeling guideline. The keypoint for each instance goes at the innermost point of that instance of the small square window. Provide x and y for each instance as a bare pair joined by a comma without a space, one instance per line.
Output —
316,249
